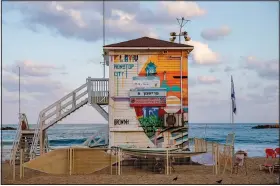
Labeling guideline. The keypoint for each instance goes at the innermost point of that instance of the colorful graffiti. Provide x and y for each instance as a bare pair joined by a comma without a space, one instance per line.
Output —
122,65
161,71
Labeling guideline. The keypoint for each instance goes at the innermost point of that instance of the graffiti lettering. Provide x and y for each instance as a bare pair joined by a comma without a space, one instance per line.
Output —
121,122
147,93
119,74
151,93
123,66
149,111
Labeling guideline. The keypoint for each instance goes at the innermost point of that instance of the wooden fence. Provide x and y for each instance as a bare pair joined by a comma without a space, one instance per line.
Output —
222,154
74,161
111,161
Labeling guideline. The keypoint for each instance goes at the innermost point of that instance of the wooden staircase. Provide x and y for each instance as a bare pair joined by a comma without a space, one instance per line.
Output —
94,92
25,143
23,140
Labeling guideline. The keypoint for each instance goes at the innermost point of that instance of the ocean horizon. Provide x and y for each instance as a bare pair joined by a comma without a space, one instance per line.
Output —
254,141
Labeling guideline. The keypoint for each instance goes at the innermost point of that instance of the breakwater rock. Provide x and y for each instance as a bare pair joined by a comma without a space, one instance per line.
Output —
8,128
266,127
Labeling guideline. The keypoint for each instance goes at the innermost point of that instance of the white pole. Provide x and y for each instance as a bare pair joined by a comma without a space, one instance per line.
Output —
181,79
19,92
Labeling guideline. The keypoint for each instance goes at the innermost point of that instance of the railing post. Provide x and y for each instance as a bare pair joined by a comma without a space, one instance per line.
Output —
42,141
89,90
74,100
58,109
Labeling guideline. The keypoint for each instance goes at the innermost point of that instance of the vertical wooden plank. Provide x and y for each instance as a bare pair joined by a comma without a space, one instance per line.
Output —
213,158
70,160
111,166
20,163
116,165
231,159
119,163
167,163
73,161
14,168
218,159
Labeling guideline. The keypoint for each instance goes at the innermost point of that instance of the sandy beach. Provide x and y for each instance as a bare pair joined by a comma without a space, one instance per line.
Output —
186,174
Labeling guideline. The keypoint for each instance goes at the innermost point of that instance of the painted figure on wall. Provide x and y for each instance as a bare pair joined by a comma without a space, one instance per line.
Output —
151,69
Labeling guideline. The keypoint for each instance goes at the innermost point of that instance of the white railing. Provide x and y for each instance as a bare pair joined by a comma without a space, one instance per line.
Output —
91,141
35,140
98,90
16,142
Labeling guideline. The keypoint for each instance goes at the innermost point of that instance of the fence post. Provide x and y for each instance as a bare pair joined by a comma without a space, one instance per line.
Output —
73,161
167,163
213,157
70,161
120,161
232,158
117,163
20,163
194,141
111,166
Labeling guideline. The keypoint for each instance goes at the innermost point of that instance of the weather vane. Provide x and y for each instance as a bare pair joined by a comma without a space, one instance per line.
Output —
182,22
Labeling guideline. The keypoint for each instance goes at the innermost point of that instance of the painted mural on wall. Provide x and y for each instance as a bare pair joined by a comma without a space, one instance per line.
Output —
159,71
155,90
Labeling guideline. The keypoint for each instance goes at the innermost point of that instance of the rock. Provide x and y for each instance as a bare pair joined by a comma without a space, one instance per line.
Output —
8,128
265,126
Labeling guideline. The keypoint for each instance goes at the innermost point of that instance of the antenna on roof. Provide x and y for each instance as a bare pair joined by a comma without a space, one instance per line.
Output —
182,22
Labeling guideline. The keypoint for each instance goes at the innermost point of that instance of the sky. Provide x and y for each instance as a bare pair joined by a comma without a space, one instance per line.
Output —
59,44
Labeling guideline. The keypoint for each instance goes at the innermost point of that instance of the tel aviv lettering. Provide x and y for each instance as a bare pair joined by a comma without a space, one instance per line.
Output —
121,122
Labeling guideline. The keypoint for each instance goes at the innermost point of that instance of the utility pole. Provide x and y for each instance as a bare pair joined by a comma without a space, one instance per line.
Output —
182,22
103,62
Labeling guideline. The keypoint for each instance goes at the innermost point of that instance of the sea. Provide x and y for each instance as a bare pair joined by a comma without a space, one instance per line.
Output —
254,141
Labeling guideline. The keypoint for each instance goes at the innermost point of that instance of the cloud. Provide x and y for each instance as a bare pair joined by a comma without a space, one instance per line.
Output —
183,9
253,85
207,80
13,97
203,55
228,69
266,69
84,20
29,68
29,84
271,91
212,70
214,34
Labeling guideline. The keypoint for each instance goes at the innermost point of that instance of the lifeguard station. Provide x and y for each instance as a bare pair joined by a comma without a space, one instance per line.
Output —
146,94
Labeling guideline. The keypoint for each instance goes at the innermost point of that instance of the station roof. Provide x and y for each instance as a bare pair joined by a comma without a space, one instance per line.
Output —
147,43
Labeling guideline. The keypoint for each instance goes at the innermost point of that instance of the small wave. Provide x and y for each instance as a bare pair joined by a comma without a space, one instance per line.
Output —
6,142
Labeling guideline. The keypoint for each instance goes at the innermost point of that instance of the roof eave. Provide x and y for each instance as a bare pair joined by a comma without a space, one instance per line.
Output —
149,48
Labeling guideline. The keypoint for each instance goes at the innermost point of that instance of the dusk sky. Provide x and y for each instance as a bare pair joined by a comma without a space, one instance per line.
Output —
59,44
